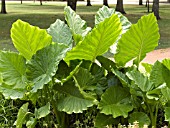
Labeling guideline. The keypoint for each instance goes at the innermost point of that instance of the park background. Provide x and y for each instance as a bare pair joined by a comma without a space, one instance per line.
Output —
46,14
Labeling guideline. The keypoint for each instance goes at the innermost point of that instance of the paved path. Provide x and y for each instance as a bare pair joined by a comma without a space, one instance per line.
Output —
93,2
155,55
124,1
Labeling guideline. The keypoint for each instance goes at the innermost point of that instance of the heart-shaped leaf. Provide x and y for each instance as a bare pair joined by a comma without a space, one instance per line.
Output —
12,69
44,64
115,102
140,39
21,117
98,41
74,102
140,80
29,39
43,111
60,33
140,117
160,74
78,26
106,12
103,120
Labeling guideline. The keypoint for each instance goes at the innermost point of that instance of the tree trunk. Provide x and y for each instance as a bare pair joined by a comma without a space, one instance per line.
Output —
168,1
40,2
119,6
155,9
140,2
3,8
105,3
147,4
72,4
21,1
88,3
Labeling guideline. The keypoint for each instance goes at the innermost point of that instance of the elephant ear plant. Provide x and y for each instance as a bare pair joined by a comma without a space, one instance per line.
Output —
65,78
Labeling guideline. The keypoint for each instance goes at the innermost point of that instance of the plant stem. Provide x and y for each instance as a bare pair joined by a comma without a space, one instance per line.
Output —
152,115
90,66
156,113
63,125
56,112
71,73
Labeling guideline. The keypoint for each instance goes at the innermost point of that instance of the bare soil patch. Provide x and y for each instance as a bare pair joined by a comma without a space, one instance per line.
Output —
155,55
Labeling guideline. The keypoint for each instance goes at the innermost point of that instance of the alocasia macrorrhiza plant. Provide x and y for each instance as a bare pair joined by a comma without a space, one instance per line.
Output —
65,70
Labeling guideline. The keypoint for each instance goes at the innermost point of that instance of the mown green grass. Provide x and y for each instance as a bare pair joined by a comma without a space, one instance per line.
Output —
43,16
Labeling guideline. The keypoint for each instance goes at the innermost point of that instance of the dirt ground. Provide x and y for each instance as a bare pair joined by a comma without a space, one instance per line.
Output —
155,55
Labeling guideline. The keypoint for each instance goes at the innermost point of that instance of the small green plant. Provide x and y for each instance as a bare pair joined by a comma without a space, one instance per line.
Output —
73,75
8,112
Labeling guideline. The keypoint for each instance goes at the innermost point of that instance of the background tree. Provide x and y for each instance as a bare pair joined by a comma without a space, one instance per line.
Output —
89,3
147,5
105,3
155,9
119,6
72,4
3,7
140,2
40,2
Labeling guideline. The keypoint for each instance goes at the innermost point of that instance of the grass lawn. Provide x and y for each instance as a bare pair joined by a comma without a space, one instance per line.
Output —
43,16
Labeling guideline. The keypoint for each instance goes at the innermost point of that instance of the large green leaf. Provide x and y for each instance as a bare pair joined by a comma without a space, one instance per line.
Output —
84,79
166,93
166,62
98,41
43,64
74,102
122,77
167,114
160,74
140,117
106,12
60,33
28,39
115,102
103,13
140,80
78,26
103,120
156,75
140,39
93,82
12,69
43,111
21,117
9,91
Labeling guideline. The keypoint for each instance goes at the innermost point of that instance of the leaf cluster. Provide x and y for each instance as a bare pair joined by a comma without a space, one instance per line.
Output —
72,72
